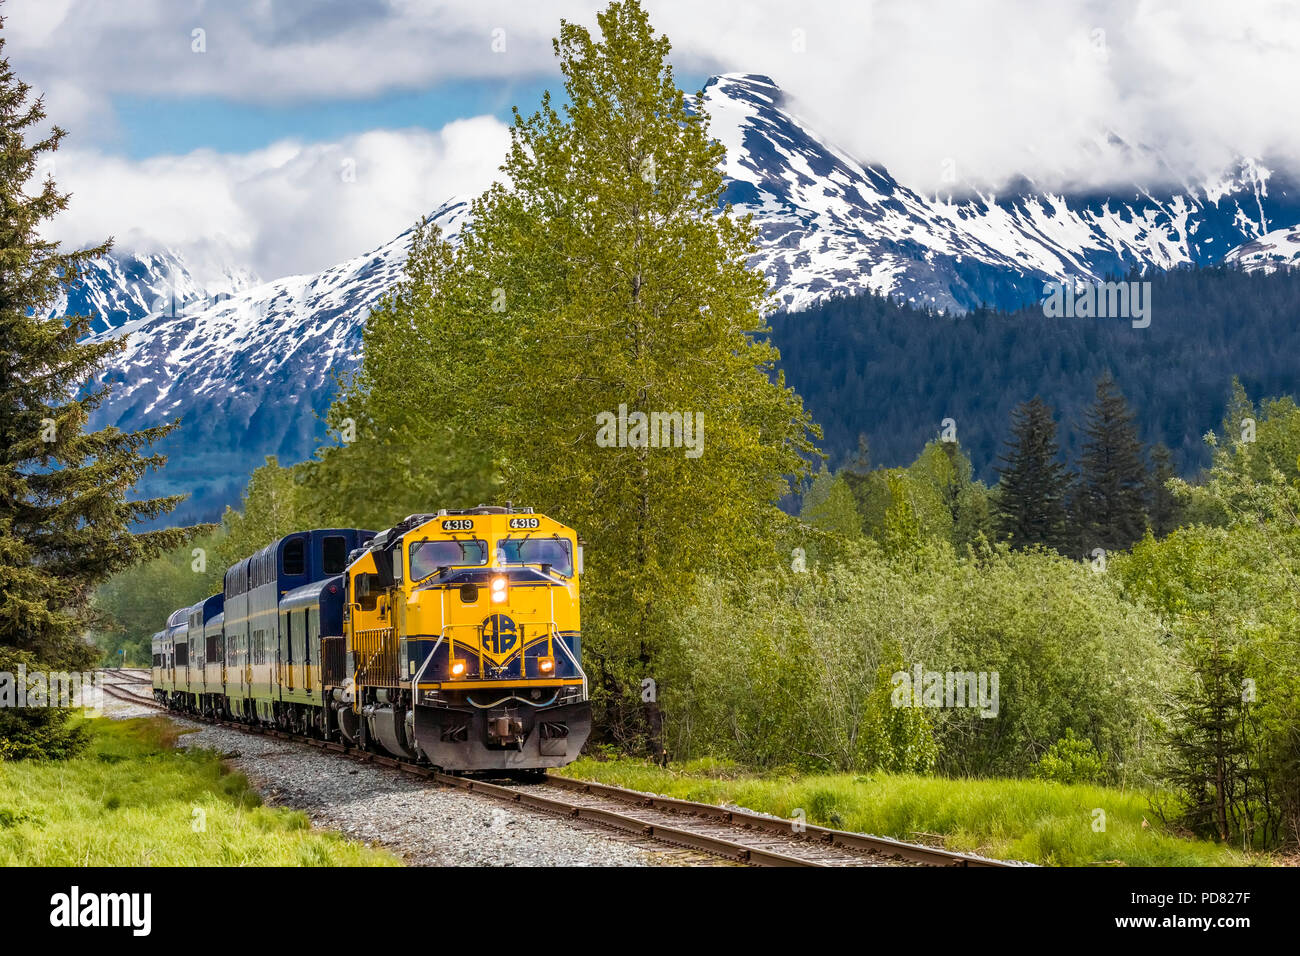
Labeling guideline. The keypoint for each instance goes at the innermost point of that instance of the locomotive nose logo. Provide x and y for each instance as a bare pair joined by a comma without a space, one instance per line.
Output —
499,634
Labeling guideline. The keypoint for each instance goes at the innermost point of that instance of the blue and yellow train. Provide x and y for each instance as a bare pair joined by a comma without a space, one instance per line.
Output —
451,638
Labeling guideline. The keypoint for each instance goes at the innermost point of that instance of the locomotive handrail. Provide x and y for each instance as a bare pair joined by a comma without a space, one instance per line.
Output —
442,633
415,681
565,647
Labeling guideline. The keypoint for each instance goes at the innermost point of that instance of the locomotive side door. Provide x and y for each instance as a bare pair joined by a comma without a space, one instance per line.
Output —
300,651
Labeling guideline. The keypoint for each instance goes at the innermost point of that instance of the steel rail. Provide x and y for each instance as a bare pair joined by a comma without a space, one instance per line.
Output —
916,853
679,836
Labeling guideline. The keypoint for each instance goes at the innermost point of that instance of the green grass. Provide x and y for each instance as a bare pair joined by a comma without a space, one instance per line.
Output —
135,799
1030,820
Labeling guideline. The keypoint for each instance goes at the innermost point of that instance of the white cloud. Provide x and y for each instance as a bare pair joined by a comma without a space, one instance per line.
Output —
1011,87
286,209
1000,88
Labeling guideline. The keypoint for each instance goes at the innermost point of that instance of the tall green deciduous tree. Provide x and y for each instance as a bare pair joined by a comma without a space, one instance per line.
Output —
400,445
1111,507
1033,482
273,505
829,505
963,507
65,519
133,605
600,282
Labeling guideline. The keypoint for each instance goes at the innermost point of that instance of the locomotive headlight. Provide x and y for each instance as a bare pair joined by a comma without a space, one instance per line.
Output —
546,664
500,588
457,668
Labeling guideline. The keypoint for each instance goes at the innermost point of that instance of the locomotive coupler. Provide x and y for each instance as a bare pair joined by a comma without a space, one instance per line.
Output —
505,728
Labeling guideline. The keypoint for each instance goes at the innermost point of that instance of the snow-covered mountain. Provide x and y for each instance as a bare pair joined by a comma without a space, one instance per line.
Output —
124,286
1279,249
831,223
250,372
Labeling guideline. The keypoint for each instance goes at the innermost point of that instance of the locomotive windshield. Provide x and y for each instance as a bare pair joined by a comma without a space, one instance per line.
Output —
428,556
553,551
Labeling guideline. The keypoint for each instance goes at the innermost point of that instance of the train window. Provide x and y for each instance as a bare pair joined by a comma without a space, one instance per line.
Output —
555,552
334,554
428,556
295,556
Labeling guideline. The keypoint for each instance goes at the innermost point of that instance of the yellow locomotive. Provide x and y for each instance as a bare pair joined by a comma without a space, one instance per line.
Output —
462,642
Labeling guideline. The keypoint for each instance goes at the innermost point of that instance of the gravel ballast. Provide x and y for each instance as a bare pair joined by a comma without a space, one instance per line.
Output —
423,823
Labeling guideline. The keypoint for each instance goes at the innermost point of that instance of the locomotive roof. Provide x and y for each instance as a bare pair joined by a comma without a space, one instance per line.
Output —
386,537
309,594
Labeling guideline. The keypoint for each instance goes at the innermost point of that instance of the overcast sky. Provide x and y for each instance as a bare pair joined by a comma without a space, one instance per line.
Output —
231,143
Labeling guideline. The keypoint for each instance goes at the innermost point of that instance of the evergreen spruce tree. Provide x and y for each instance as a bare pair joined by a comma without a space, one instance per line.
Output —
1166,511
857,470
1111,508
1239,410
1031,505
1209,753
65,520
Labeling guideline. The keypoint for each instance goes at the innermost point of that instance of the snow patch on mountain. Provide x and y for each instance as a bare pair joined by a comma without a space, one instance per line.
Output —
249,373
121,287
1279,249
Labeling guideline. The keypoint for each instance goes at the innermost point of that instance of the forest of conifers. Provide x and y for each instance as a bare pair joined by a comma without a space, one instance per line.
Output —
868,365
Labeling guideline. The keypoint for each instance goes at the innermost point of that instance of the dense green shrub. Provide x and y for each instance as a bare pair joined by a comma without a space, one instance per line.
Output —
1071,759
779,665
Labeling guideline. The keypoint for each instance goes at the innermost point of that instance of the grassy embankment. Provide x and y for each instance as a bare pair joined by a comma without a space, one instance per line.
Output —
135,799
1034,821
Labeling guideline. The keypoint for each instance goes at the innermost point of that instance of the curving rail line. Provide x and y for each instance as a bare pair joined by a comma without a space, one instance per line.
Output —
732,834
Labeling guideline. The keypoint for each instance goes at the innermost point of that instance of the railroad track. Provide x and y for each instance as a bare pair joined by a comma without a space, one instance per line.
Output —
736,835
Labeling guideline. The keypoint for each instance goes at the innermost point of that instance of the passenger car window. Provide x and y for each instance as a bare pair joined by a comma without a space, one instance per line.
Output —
334,554
295,556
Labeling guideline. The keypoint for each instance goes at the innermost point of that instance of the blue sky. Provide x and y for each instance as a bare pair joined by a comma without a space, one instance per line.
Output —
151,125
